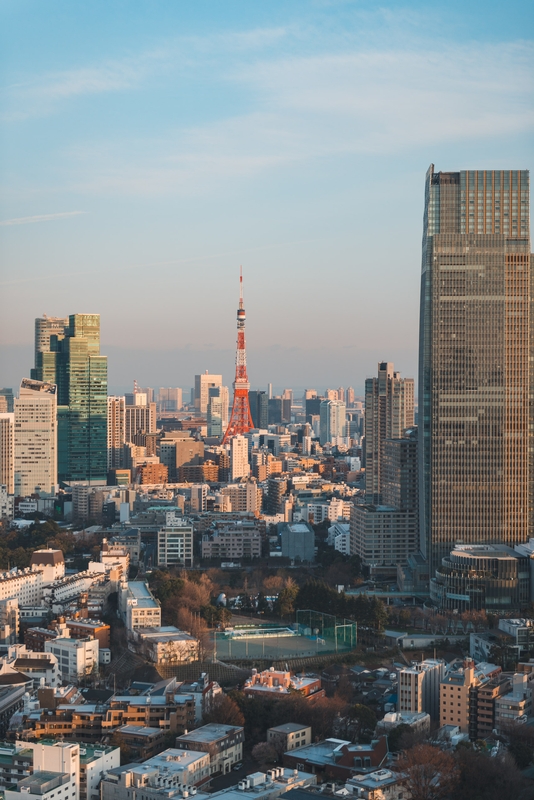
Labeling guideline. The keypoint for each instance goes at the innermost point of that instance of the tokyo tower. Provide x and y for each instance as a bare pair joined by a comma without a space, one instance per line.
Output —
241,419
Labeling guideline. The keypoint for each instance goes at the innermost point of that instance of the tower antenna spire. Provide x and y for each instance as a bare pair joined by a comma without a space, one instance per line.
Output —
241,418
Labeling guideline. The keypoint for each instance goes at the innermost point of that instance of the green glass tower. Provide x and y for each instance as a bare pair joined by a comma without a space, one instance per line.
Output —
71,359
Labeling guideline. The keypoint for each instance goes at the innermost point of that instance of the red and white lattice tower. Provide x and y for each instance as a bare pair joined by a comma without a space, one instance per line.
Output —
241,419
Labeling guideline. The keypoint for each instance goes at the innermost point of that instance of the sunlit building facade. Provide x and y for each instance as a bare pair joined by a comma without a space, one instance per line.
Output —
475,406
73,362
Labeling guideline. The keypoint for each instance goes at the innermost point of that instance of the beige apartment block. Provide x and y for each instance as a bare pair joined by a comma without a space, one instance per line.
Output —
35,438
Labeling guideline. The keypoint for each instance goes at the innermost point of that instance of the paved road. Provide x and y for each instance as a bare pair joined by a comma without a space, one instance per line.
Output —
234,776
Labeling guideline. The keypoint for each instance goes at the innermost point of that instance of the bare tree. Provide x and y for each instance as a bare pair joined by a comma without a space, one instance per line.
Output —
430,773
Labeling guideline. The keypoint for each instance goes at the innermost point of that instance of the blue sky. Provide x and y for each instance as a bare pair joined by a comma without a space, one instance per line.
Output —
150,148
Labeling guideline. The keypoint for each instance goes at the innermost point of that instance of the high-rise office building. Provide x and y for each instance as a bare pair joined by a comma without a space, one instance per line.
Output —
385,536
215,412
259,408
6,401
399,472
73,362
274,406
224,394
475,365
312,406
170,399
150,394
287,403
35,438
389,410
116,432
139,418
45,329
333,422
7,451
203,383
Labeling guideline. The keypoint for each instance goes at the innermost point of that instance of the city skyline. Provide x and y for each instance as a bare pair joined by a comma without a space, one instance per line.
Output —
166,149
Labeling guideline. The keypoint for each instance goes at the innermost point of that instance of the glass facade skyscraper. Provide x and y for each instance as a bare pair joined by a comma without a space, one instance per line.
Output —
389,410
475,368
72,360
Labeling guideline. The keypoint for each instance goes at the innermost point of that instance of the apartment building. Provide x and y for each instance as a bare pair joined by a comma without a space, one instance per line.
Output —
419,687
224,743
516,704
233,541
175,545
138,606
459,695
77,658
289,736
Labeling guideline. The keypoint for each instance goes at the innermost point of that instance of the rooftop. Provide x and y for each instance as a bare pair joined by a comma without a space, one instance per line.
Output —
47,557
138,590
321,753
140,700
264,786
299,527
41,782
140,730
90,752
289,727
173,760
375,780
485,550
211,732
165,634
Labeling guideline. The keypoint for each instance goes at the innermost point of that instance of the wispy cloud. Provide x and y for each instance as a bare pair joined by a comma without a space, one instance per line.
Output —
354,95
41,95
40,218
367,102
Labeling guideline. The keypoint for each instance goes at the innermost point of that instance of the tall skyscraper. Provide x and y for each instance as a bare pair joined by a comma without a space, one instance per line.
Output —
313,407
333,422
170,399
389,410
48,330
7,451
215,412
116,432
75,365
274,408
6,401
139,418
385,535
259,409
287,404
475,366
35,439
203,383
